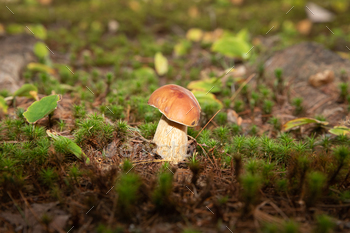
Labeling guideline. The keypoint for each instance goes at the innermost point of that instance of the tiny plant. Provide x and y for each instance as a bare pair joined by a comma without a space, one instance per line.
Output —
325,224
128,191
161,195
279,80
343,91
276,123
316,182
61,124
48,176
341,156
298,105
251,185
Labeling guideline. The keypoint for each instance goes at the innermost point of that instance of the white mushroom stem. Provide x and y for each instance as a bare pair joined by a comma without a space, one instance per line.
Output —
171,140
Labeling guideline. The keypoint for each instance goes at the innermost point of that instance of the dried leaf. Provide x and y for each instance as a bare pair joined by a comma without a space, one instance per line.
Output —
233,117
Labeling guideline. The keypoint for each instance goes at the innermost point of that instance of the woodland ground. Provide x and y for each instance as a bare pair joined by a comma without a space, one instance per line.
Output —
246,173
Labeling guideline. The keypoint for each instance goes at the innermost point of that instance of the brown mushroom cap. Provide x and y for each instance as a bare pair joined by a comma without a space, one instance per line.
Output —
177,104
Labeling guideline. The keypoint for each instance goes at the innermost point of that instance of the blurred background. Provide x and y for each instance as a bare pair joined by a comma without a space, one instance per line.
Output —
78,42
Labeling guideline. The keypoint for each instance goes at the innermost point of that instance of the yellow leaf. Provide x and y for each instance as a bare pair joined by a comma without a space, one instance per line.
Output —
194,34
161,64
40,67
340,130
34,94
3,104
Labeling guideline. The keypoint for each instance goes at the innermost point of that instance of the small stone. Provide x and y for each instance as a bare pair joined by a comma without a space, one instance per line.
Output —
321,78
318,14
113,26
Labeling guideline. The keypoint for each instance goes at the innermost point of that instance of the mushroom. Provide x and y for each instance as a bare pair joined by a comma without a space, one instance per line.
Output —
180,109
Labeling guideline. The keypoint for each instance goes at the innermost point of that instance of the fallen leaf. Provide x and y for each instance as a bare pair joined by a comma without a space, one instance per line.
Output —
34,94
207,98
71,146
182,48
234,46
25,90
194,34
340,130
302,121
233,117
40,109
213,85
40,50
161,64
32,66
304,27
3,104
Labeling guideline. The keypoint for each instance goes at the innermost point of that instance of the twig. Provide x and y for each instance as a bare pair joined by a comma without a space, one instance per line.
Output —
205,153
241,87
18,208
208,123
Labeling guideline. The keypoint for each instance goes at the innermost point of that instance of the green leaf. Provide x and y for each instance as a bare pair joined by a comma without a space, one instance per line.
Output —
234,47
243,34
40,109
207,98
3,104
25,90
302,121
40,50
340,130
161,64
182,48
71,146
39,31
145,73
14,29
213,85
40,68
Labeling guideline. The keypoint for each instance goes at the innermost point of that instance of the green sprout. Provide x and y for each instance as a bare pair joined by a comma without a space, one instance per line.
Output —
297,103
343,91
325,224
316,182
161,195
251,185
48,176
128,188
276,123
